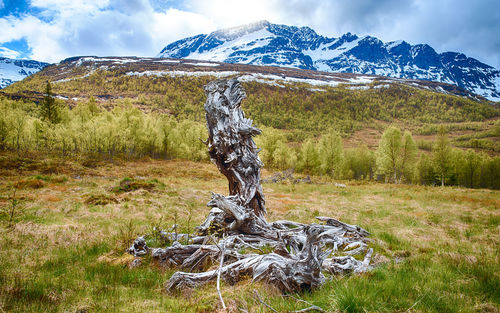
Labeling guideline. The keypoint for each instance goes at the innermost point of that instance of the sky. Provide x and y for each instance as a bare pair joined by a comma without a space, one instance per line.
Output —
51,30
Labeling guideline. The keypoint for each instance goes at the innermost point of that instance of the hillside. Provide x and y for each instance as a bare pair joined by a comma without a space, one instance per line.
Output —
264,43
301,103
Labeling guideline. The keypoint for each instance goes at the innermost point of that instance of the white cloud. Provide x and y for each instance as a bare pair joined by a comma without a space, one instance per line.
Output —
174,24
105,28
41,37
236,12
471,27
133,27
8,53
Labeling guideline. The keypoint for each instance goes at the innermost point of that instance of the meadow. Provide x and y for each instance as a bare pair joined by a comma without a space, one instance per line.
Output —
65,225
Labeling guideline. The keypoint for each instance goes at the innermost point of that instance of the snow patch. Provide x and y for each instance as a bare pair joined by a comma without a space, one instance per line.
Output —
316,89
323,52
167,61
250,41
203,64
183,73
359,87
393,44
361,80
10,72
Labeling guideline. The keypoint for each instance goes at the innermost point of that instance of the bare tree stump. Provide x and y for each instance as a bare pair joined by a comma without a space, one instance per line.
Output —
231,146
300,252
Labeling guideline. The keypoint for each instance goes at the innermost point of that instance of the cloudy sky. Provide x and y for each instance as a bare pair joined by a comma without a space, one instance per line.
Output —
50,30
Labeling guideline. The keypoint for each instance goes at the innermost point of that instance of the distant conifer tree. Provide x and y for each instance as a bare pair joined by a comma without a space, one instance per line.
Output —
49,107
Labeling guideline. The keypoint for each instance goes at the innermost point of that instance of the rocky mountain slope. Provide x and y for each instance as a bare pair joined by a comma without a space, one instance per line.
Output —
264,43
81,68
12,70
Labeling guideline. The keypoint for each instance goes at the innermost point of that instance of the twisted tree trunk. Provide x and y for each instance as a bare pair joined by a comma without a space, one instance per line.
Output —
237,222
231,146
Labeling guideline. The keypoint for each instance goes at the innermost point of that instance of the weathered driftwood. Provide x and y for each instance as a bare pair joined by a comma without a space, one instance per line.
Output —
286,175
355,229
235,234
139,247
231,146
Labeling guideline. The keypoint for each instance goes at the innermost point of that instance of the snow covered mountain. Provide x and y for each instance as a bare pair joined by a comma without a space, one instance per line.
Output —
12,70
264,43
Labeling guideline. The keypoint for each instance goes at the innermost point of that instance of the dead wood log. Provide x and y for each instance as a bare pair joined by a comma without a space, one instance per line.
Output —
139,247
347,264
355,229
236,235
289,272
230,143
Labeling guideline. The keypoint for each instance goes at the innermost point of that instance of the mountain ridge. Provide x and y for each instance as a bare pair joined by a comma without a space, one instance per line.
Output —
264,43
12,70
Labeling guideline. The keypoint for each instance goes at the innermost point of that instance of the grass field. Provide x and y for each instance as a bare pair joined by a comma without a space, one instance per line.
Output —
63,250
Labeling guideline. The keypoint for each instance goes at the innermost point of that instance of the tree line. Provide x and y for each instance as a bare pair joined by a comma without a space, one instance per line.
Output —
126,131
396,159
293,107
88,129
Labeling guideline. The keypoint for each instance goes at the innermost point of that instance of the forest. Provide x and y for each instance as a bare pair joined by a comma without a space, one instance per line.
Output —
303,131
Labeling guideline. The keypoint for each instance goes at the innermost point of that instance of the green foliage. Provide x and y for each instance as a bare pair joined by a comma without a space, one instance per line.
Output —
388,152
4,131
284,157
361,163
408,155
441,156
331,154
463,168
49,109
126,131
309,158
432,129
269,141
468,167
395,154
88,130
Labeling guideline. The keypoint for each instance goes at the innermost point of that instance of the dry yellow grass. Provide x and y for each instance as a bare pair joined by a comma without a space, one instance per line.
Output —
63,254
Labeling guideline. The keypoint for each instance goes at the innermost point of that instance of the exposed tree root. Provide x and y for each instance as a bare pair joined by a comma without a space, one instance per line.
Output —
235,234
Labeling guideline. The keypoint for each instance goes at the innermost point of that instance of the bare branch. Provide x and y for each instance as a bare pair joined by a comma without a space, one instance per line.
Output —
257,296
218,278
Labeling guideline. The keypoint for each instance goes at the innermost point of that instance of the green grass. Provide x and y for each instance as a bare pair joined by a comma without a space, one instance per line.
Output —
65,255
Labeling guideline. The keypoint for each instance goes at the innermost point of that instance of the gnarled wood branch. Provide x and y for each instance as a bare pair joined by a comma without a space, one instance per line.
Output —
300,252
230,143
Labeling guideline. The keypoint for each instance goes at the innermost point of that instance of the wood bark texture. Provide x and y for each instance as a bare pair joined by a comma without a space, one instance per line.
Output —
235,240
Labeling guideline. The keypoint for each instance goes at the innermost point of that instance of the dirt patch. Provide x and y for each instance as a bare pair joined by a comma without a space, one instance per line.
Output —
32,183
130,184
100,200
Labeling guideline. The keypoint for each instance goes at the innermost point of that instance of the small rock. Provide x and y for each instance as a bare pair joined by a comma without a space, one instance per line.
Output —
135,263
